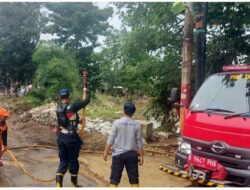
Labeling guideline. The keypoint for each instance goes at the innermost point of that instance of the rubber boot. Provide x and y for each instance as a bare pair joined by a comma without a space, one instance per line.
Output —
74,179
59,180
113,185
134,185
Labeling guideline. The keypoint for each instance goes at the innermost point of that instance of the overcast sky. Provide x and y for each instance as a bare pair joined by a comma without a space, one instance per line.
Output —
114,21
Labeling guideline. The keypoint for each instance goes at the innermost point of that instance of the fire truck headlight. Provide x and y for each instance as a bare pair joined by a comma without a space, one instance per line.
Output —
184,147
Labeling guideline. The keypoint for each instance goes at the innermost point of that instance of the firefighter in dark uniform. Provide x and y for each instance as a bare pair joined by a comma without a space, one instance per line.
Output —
69,143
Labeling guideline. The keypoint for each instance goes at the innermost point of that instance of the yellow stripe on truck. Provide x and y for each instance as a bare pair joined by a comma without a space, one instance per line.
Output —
220,185
185,176
210,183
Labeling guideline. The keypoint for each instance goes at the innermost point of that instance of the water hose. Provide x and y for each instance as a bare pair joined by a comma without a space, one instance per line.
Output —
26,171
11,155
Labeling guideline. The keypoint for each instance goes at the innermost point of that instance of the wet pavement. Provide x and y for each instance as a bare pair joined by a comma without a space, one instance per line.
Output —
40,162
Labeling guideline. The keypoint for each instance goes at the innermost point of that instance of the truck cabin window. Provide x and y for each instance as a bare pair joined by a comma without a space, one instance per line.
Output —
229,93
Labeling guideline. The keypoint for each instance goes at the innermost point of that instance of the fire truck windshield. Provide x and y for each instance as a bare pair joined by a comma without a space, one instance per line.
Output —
229,92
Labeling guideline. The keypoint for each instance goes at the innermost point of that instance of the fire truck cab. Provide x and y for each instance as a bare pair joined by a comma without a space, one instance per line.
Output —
215,136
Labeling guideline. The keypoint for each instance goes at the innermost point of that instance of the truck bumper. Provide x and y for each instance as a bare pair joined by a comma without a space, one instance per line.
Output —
236,176
178,173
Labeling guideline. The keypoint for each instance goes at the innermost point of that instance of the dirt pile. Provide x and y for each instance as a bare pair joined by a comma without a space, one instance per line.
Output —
99,128
46,116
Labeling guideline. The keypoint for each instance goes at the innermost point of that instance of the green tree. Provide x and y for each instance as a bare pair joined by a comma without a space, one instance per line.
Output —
144,57
110,62
77,26
20,25
151,45
57,69
228,35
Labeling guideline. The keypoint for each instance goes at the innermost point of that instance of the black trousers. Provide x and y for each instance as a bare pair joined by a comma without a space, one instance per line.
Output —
130,161
69,147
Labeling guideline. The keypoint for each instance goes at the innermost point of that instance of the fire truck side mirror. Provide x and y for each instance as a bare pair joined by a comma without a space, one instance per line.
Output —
174,96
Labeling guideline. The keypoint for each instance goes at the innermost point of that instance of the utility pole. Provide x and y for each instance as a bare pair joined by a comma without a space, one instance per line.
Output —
186,62
200,18
204,40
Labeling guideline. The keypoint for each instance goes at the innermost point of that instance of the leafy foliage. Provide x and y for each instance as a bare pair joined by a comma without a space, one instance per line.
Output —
56,69
144,56
20,25
178,7
77,26
228,35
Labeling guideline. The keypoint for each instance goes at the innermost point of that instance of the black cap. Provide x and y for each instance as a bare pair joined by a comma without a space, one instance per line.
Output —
64,93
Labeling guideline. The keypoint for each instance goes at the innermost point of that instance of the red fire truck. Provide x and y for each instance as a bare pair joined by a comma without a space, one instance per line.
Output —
214,147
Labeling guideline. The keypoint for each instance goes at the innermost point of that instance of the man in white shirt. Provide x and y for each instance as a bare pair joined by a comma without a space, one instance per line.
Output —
127,147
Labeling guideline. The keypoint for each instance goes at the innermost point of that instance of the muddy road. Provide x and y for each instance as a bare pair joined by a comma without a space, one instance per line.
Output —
94,172
41,162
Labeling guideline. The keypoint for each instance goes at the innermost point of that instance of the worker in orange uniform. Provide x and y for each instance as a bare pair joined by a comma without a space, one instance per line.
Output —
4,114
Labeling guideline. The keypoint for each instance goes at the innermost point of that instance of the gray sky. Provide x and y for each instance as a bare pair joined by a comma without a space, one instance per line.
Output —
114,21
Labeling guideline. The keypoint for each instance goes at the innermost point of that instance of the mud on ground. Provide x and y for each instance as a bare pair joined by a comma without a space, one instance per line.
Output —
94,171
